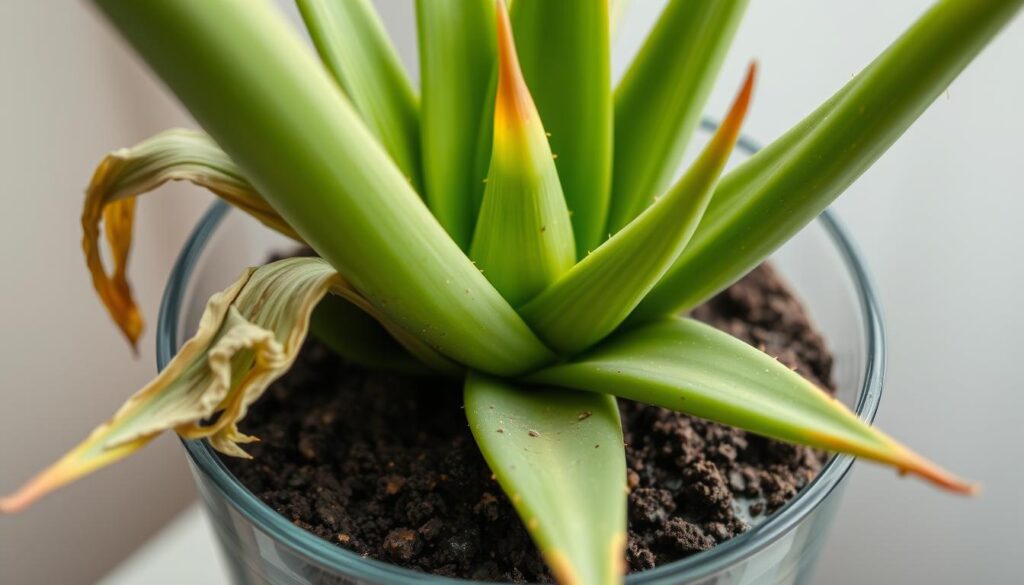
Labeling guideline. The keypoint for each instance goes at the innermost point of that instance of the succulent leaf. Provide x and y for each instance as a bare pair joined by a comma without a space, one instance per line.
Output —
558,455
690,367
523,240
660,99
248,336
778,191
564,52
258,91
355,48
173,155
599,292
457,56
360,339
485,138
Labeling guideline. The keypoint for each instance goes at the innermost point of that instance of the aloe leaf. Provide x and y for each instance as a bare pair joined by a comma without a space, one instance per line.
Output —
360,339
777,192
259,92
485,139
248,336
599,292
457,53
174,155
354,46
690,367
564,52
659,101
523,239
413,344
558,455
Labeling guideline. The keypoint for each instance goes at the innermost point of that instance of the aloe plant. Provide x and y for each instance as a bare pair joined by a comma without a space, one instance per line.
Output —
516,228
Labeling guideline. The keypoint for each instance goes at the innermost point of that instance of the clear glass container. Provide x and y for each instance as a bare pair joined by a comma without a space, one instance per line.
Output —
262,547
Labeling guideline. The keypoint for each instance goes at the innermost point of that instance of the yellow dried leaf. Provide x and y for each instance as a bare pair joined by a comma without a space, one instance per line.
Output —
248,336
174,155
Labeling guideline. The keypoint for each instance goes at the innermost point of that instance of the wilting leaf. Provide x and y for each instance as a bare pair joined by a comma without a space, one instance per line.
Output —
564,50
260,93
777,192
523,240
354,46
457,55
694,368
660,99
248,336
174,155
558,455
597,294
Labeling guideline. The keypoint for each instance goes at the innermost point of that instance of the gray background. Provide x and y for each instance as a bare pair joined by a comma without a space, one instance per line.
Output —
937,219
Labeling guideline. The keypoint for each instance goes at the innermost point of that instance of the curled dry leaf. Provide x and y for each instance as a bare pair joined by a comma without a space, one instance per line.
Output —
248,336
174,155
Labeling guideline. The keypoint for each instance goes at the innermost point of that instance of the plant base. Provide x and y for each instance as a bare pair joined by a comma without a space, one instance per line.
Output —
385,465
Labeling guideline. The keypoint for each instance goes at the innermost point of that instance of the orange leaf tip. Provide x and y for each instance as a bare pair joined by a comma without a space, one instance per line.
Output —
514,108
729,130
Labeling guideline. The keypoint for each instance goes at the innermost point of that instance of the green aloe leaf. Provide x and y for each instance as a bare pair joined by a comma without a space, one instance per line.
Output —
356,49
778,191
123,175
564,52
558,455
360,339
485,138
259,92
523,240
659,101
684,365
457,55
599,292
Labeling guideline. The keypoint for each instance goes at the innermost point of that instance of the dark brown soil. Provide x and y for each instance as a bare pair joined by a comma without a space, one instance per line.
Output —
386,466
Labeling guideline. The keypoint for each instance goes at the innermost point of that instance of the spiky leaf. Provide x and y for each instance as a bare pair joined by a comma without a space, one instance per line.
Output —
354,46
360,339
523,239
457,55
564,51
684,365
778,191
558,455
661,97
599,292
255,87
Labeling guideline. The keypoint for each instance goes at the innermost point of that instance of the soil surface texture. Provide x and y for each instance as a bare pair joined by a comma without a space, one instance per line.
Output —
385,465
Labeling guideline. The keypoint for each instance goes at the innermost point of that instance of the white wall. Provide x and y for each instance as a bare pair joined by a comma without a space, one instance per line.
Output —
69,92
937,219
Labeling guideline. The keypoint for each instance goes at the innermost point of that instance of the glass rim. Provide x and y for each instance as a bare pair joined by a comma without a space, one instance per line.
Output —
698,566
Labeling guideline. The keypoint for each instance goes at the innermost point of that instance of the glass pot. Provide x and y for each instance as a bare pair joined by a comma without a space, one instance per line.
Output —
822,266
